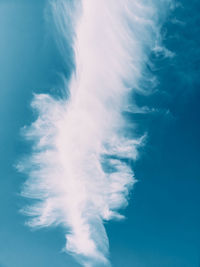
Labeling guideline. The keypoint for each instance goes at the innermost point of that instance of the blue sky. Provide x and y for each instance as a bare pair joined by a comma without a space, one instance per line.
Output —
162,220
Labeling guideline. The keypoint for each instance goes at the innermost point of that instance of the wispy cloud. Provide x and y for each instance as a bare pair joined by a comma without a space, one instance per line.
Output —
78,169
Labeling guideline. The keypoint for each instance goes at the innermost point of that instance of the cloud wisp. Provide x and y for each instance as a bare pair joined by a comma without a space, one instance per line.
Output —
78,172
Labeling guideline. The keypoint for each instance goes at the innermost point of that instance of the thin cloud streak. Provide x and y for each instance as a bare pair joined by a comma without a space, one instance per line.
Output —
78,170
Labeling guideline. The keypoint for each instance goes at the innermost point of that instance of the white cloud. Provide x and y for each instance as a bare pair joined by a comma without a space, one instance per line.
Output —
76,170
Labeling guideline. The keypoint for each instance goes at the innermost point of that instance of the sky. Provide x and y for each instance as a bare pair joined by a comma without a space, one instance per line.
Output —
161,225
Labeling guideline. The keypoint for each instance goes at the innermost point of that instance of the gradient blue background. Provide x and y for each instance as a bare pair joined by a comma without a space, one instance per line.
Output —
162,228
